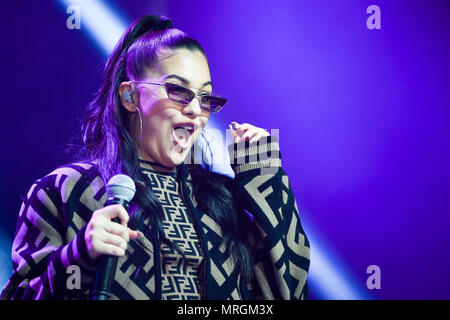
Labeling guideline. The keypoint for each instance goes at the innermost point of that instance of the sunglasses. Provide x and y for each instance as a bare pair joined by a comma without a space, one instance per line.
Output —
183,96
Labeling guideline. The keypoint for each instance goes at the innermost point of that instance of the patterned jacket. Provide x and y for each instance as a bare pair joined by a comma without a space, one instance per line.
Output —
49,245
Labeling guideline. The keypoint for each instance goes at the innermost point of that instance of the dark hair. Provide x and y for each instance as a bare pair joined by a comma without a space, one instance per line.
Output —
108,143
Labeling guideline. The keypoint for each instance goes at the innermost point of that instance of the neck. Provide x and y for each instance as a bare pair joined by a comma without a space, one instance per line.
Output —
156,166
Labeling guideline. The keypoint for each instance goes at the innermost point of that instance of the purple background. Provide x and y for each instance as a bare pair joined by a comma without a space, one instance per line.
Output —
363,115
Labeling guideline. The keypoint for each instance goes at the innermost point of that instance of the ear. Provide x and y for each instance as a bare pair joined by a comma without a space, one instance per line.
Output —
130,105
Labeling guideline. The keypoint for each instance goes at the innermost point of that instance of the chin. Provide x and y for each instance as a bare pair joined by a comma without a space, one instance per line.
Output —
175,157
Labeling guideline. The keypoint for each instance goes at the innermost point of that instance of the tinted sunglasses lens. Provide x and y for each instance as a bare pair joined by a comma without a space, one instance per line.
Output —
212,103
179,94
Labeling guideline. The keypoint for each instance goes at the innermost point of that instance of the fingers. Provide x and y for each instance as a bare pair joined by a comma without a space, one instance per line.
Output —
116,211
255,137
100,242
119,242
110,249
134,234
239,131
104,236
117,229
247,131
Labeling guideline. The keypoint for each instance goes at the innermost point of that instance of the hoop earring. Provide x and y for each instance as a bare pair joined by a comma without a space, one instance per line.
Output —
210,166
140,121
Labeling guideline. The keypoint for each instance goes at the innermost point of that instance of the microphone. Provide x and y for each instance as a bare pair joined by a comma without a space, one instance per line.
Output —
120,190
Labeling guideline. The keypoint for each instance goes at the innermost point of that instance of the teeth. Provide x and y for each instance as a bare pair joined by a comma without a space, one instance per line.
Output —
188,128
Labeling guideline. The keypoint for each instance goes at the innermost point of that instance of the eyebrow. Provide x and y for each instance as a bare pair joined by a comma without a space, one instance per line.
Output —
185,81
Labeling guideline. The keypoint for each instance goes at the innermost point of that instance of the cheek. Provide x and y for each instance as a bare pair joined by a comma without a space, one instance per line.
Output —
204,120
148,105
158,121
154,111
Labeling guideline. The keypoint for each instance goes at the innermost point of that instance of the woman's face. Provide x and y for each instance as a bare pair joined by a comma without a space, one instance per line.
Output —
163,140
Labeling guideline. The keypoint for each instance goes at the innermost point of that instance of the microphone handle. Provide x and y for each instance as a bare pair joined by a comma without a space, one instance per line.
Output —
107,266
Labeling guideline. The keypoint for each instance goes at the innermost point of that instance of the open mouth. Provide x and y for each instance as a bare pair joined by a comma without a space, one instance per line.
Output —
182,134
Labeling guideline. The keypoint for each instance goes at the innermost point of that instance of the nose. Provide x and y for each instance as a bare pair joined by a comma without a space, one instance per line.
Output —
193,108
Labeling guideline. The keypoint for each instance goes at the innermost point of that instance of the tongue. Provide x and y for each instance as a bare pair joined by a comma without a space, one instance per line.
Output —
181,137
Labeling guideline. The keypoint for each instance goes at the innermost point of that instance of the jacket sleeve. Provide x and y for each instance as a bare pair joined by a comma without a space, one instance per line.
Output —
281,250
50,259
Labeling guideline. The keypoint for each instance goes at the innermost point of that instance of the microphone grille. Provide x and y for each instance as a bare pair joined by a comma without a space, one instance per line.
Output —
121,186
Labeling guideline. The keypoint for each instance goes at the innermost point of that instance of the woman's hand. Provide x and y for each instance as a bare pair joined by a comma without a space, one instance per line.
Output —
104,236
246,131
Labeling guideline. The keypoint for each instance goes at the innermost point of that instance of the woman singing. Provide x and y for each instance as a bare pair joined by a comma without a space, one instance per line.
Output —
188,233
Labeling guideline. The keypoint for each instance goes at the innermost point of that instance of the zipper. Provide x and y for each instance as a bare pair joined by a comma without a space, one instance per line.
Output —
203,265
